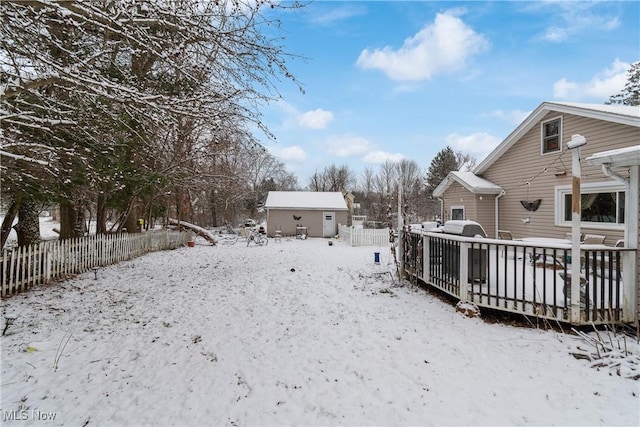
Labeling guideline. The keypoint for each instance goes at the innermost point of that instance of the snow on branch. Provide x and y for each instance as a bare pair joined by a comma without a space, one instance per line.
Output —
21,157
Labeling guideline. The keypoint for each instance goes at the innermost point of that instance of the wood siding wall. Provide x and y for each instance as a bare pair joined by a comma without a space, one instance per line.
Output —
526,174
638,266
486,213
475,209
457,195
282,219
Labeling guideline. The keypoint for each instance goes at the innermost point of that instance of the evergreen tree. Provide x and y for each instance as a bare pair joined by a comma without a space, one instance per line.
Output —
444,162
630,95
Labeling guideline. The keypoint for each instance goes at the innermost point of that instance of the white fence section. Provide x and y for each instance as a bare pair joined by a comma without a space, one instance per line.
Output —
357,236
24,267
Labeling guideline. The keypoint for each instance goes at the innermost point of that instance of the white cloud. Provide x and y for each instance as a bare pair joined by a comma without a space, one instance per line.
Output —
338,14
440,47
316,119
292,153
576,18
605,84
347,145
477,145
379,157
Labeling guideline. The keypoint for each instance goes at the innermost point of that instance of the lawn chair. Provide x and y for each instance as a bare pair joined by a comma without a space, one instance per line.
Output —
569,236
594,239
505,235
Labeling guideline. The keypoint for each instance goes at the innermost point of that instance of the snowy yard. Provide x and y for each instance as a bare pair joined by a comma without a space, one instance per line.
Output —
293,333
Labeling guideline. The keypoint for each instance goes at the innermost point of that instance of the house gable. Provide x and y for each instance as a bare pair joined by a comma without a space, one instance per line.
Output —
527,174
470,181
626,115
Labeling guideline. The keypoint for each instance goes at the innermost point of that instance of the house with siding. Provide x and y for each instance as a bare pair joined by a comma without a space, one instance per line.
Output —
318,213
612,163
525,184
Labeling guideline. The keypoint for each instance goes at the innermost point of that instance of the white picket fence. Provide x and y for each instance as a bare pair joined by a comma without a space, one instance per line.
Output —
24,267
357,236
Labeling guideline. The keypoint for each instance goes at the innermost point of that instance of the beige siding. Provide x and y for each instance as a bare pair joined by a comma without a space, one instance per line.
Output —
525,174
457,195
283,220
638,267
479,208
485,213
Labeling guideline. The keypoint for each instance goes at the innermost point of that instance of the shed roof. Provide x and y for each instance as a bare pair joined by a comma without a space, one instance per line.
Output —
468,180
333,200
623,114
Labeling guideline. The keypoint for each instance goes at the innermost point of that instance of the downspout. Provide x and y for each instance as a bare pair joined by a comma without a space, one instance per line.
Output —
502,193
441,209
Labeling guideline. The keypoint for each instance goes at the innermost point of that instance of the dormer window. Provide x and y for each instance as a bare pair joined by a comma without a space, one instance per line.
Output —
551,132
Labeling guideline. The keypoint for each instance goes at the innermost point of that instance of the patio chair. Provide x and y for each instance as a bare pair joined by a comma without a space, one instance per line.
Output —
569,236
594,239
505,235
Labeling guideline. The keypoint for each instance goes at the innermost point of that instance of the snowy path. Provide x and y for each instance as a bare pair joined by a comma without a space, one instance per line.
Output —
229,335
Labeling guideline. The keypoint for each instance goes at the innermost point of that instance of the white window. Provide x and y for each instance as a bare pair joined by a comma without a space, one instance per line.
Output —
457,212
551,135
602,205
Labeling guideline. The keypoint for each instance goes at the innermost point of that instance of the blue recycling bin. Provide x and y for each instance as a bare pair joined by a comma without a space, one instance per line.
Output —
376,257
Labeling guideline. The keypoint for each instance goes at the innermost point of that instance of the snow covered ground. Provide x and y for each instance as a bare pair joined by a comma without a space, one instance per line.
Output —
294,333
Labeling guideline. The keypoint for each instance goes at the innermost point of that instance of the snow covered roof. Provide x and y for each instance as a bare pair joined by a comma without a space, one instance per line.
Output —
622,157
305,200
468,180
623,114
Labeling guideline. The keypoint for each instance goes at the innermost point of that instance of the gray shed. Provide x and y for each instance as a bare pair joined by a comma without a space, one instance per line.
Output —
314,213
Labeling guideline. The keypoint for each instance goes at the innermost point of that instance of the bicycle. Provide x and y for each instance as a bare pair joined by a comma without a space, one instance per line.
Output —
258,238
229,236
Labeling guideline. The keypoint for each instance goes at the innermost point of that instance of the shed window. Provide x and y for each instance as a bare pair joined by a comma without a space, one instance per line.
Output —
551,132
457,212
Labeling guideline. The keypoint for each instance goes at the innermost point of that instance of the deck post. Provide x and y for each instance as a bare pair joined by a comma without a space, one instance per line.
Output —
574,145
464,271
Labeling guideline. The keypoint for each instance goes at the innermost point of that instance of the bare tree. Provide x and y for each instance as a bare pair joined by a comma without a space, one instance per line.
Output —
333,178
409,178
93,84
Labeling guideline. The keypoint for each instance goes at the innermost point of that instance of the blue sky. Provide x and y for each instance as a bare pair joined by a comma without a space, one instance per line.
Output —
386,80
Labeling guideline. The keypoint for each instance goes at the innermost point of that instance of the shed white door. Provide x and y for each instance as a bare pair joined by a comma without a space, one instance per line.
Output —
328,224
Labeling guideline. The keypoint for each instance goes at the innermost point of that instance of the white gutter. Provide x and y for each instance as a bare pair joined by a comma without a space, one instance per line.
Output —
502,193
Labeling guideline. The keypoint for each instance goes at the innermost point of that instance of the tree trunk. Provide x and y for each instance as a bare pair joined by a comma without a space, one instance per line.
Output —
28,226
131,221
7,223
71,220
101,216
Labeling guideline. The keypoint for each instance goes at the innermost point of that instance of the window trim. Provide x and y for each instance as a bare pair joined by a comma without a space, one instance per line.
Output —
460,207
542,136
594,187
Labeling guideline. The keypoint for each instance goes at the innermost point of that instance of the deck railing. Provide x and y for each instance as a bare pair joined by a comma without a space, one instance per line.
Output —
26,266
526,278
